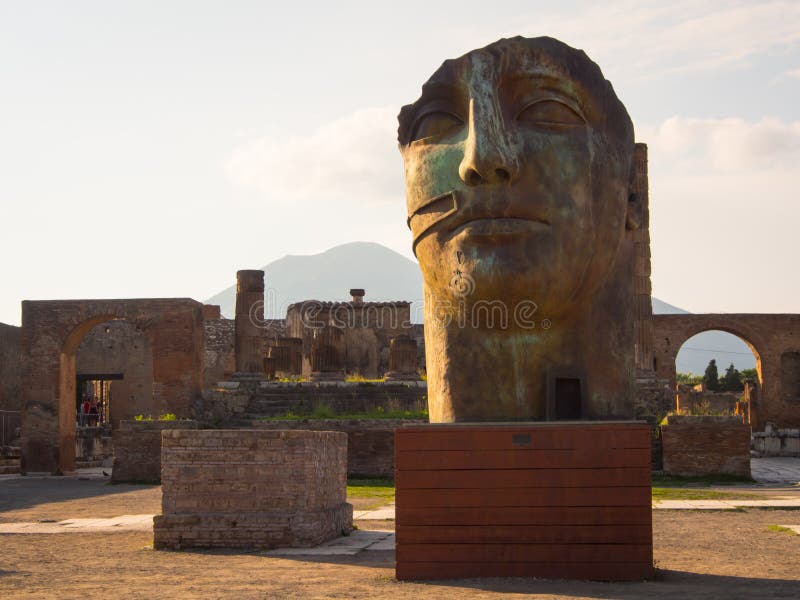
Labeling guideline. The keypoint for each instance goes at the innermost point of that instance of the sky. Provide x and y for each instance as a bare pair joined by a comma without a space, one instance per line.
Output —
151,149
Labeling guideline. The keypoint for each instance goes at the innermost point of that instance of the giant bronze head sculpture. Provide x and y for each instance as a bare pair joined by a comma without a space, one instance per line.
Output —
518,164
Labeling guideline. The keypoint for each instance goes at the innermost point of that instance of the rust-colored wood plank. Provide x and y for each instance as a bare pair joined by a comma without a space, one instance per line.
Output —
513,552
513,478
609,571
589,497
520,458
542,534
604,515
541,438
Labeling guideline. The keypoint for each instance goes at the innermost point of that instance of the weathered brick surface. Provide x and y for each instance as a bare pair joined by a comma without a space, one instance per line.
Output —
252,489
231,402
218,363
137,449
770,336
10,367
695,446
51,334
370,442
368,328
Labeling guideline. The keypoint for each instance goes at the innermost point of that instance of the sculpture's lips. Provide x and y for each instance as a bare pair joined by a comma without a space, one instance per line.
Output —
499,226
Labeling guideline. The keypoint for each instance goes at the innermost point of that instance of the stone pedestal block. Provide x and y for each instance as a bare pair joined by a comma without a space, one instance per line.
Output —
327,354
706,445
402,359
252,489
555,500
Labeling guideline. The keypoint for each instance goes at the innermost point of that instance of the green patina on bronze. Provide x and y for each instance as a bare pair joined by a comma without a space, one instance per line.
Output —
518,164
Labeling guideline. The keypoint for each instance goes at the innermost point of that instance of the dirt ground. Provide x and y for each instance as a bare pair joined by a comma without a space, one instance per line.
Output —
699,554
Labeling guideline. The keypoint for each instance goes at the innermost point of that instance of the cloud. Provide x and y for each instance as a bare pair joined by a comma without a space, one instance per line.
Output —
352,158
723,211
650,39
725,145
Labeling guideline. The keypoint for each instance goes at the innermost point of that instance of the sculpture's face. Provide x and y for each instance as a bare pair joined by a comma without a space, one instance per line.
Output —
513,177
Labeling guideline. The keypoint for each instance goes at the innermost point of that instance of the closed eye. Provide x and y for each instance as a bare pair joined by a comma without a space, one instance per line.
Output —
550,113
435,124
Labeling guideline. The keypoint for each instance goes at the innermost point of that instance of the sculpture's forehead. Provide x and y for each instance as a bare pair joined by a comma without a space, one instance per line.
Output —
491,66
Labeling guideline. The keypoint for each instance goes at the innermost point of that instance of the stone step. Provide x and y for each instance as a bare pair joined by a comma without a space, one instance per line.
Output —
9,466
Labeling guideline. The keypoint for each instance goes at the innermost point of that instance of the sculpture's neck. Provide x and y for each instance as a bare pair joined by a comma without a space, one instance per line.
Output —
483,371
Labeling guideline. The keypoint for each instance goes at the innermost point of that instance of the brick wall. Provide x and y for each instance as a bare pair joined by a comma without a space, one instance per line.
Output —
10,351
370,442
218,361
707,445
230,402
137,449
252,489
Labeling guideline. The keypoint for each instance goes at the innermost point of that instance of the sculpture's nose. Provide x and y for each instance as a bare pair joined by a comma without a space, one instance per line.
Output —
488,156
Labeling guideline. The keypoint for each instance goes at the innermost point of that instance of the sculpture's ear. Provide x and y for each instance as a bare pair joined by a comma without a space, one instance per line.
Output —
633,215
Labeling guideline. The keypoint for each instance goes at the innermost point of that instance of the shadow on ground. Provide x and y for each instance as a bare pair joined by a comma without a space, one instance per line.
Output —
26,492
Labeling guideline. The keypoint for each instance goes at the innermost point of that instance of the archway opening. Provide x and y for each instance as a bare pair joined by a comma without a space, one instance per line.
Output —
717,372
106,374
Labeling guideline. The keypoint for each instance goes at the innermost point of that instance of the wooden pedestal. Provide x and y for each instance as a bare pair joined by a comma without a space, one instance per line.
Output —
553,500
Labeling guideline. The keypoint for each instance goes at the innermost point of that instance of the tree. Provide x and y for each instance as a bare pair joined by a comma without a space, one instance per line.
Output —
711,377
731,381
748,374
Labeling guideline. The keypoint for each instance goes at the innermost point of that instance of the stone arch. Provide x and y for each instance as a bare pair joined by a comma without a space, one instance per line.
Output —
120,353
768,336
51,334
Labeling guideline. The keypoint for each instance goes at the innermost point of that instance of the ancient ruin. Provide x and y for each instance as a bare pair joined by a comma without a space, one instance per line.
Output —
252,489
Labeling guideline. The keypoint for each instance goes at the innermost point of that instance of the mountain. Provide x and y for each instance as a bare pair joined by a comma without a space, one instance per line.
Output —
383,273
387,275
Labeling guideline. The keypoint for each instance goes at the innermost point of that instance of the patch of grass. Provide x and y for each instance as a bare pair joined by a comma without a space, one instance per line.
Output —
326,412
371,488
781,529
703,481
164,417
666,493
357,378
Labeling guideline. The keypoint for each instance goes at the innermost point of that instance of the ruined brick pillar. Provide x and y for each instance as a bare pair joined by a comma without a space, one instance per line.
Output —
295,346
643,306
327,354
402,359
281,357
249,331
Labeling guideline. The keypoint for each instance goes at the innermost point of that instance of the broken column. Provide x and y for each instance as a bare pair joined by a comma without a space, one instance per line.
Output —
327,354
249,338
402,359
295,346
281,357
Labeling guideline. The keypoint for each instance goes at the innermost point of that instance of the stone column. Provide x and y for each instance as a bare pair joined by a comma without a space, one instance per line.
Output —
402,359
327,354
643,306
249,332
